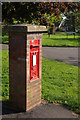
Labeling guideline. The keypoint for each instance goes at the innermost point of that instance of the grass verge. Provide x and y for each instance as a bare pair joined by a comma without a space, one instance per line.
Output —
5,74
59,82
60,39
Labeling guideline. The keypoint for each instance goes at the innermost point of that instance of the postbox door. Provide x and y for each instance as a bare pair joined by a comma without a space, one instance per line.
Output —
34,59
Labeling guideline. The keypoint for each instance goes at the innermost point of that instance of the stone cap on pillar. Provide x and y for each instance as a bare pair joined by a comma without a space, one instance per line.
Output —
28,28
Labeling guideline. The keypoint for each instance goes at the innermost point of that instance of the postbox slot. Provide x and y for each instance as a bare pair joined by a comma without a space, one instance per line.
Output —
35,46
34,60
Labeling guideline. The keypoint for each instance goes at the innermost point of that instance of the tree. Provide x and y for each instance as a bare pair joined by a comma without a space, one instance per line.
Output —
30,11
19,12
72,22
51,20
52,11
77,20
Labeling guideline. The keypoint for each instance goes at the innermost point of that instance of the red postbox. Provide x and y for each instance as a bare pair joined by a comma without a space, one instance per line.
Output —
34,60
25,54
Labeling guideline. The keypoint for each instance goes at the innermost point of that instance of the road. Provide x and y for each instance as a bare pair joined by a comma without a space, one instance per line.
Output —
64,54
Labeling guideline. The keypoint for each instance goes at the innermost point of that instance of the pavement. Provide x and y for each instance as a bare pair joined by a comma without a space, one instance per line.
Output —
4,46
44,110
47,110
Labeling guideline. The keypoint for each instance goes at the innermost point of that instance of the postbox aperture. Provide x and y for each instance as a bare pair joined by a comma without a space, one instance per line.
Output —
34,60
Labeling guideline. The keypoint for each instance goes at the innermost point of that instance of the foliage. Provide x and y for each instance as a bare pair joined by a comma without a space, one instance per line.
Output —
4,38
58,7
77,20
73,21
19,12
51,19
22,12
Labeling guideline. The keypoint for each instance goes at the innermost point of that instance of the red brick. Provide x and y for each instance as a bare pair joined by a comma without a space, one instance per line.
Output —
20,84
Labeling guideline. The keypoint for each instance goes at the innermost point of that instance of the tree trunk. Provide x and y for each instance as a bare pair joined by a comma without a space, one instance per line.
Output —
53,29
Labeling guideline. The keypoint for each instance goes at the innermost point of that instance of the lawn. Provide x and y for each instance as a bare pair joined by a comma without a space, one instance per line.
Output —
5,74
59,82
60,39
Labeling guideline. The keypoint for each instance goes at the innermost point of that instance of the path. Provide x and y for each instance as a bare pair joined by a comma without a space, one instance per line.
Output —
47,110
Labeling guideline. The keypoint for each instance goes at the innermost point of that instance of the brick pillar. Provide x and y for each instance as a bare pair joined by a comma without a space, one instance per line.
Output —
33,89
23,93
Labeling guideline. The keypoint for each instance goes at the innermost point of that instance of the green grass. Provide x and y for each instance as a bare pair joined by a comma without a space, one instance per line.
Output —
59,82
60,39
5,74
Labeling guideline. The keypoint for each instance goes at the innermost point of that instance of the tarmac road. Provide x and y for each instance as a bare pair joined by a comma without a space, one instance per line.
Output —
64,54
